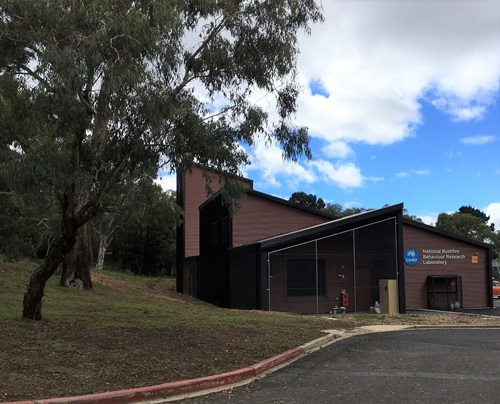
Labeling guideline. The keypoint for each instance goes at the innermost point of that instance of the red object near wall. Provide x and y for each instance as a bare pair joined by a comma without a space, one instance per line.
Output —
345,299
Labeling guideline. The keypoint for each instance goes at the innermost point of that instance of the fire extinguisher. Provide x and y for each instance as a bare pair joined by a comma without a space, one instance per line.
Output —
345,299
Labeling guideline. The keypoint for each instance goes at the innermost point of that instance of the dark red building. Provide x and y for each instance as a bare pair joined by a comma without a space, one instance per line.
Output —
270,254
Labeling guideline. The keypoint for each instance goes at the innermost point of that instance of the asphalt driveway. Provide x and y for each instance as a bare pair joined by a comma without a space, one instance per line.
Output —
411,366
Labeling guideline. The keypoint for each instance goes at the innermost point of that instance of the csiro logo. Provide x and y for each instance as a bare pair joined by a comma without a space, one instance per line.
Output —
411,256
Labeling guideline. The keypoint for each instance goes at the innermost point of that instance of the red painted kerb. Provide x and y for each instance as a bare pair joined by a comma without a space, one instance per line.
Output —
166,390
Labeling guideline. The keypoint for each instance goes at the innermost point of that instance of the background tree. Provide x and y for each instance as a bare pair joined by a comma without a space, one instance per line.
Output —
354,211
337,210
23,224
334,209
309,200
104,228
477,213
411,217
470,225
114,216
92,91
18,232
146,244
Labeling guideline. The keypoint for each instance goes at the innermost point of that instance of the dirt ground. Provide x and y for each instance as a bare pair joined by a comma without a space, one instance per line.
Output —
66,360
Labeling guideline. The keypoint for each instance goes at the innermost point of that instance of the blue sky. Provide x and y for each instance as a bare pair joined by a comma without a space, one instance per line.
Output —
401,99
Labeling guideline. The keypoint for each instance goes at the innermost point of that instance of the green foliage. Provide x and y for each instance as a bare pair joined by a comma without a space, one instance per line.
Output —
91,89
20,228
354,211
309,200
336,210
145,242
97,91
406,215
477,213
471,226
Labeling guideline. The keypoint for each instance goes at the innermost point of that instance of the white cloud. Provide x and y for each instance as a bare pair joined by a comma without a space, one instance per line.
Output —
421,172
352,204
477,140
404,174
167,181
344,175
493,211
366,72
466,112
337,149
378,59
374,179
274,172
429,219
268,160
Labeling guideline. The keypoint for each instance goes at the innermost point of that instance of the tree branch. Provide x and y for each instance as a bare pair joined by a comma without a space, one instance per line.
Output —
91,207
84,94
187,79
34,75
221,112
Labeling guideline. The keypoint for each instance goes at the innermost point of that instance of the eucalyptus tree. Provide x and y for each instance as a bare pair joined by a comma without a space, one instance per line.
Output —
94,90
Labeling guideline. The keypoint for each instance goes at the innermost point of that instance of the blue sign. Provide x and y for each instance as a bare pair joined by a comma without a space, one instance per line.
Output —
411,256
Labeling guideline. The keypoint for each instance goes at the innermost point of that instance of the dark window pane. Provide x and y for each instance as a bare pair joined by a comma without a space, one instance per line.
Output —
301,277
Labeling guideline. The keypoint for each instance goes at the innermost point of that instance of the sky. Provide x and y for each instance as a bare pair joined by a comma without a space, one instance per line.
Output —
402,102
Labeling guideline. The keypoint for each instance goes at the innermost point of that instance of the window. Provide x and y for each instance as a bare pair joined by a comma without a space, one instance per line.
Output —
301,277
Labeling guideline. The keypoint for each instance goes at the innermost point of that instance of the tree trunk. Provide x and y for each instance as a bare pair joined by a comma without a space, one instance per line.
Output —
76,264
104,230
103,246
33,297
72,221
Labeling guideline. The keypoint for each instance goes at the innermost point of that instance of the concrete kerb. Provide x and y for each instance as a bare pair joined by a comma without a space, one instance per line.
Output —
174,391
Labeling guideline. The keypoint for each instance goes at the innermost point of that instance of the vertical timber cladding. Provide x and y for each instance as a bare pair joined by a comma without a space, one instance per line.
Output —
427,252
